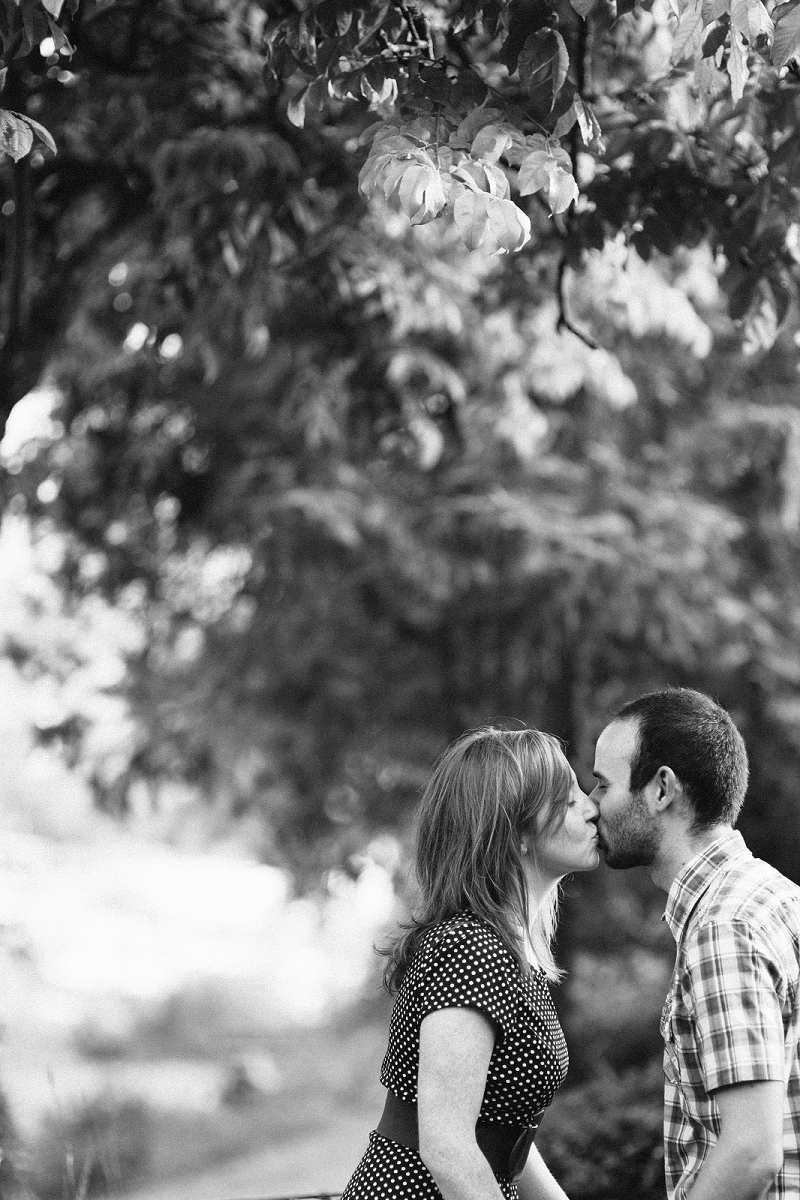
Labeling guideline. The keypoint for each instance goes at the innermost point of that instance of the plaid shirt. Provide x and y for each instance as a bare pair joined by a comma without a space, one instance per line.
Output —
733,1011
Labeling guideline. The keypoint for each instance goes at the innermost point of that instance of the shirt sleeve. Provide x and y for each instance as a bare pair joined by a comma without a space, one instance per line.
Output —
735,984
470,968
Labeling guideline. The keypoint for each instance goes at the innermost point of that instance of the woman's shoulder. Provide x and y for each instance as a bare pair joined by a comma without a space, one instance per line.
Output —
466,933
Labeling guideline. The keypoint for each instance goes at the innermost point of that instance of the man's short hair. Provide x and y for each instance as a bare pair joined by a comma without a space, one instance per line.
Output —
689,732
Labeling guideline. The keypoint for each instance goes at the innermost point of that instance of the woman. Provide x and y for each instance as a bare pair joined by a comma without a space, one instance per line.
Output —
475,1048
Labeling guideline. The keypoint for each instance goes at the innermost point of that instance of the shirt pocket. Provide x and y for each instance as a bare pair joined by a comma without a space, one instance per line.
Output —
671,1063
682,1046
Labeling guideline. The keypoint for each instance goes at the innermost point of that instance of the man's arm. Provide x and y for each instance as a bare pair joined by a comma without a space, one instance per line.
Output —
749,1152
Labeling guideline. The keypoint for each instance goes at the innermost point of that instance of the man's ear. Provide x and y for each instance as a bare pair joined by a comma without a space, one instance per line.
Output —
666,789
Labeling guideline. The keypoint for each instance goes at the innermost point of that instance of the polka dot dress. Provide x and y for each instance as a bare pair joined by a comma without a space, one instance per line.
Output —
462,963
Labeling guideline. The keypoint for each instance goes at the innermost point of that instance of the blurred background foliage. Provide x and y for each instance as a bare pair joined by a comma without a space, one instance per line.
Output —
349,489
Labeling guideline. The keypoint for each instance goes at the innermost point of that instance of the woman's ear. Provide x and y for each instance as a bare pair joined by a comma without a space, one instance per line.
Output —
523,847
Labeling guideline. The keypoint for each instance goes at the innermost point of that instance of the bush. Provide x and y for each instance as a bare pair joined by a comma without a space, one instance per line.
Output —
603,1139
10,1181
99,1144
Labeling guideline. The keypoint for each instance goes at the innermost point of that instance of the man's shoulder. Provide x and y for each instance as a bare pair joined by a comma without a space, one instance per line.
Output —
752,892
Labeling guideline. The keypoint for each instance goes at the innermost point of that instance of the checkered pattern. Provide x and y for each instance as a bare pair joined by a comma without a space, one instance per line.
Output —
733,1011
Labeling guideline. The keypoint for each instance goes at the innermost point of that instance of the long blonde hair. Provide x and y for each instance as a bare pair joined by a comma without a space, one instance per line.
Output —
491,790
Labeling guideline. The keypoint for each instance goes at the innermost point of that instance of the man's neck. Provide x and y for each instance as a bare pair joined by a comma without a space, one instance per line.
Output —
677,849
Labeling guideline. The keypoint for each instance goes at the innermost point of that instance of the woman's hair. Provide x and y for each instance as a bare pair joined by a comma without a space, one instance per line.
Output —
490,791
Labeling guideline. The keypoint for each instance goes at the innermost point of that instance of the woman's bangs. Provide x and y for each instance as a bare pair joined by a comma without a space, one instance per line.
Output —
553,783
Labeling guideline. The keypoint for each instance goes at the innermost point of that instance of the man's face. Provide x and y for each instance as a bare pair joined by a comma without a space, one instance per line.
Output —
629,834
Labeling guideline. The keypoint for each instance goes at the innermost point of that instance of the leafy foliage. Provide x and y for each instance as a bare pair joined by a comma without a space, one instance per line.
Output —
96,1144
650,147
604,1138
360,486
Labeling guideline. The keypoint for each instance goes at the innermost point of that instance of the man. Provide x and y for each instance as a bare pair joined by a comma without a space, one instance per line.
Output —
671,772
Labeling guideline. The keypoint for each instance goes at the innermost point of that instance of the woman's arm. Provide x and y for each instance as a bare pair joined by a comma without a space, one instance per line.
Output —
455,1046
537,1183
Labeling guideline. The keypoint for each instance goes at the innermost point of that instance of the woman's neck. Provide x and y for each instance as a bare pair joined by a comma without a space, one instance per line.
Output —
538,888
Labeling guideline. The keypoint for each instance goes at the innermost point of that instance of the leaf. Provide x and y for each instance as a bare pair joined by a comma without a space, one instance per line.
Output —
60,39
470,213
465,134
515,153
534,174
709,78
761,322
712,10
715,39
584,7
490,142
509,228
737,65
752,18
16,135
562,63
392,173
43,134
36,29
386,93
544,62
54,7
483,177
310,97
782,10
562,190
296,108
393,141
587,122
307,36
550,172
376,130
498,225
421,193
566,120
783,290
787,37
472,175
561,158
468,92
537,141
688,39
497,180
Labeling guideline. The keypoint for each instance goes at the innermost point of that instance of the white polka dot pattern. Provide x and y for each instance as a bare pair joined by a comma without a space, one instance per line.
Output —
462,963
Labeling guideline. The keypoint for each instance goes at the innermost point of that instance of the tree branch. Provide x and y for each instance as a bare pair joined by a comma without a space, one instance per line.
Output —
564,319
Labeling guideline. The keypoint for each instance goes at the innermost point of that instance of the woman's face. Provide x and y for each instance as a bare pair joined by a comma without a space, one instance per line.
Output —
570,844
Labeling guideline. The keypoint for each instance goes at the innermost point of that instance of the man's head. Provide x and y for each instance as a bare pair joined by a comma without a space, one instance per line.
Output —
672,749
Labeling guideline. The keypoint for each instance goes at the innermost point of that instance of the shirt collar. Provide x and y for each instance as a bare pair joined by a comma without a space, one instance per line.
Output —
695,877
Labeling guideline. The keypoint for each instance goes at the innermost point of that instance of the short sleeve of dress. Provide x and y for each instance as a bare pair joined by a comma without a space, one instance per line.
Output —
467,966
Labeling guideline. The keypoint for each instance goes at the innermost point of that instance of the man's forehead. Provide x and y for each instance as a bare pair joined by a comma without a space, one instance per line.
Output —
617,743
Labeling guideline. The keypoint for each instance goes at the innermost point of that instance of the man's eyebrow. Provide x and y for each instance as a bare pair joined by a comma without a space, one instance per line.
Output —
601,777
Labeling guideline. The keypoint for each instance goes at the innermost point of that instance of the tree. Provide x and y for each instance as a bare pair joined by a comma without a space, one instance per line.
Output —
360,486
675,123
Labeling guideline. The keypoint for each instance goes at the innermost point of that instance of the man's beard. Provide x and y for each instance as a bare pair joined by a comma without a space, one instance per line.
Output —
630,838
